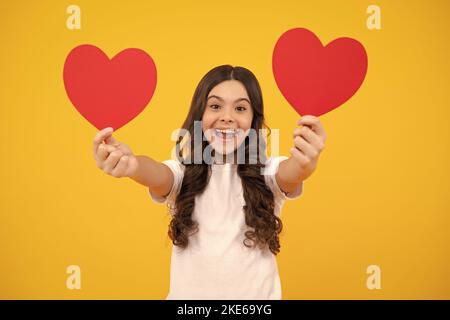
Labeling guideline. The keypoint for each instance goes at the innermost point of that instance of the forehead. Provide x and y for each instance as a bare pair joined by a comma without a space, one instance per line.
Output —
229,90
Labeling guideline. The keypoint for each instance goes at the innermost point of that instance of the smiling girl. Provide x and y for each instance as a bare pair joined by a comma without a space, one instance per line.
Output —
225,213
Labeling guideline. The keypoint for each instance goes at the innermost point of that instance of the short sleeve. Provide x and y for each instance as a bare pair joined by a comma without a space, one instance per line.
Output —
270,171
178,173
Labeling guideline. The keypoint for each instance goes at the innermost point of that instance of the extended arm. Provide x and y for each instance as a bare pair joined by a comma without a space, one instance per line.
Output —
309,141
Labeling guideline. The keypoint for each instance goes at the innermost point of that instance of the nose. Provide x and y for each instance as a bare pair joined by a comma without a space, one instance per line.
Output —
226,116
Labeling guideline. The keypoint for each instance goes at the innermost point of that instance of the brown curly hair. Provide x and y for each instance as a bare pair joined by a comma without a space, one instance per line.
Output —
259,199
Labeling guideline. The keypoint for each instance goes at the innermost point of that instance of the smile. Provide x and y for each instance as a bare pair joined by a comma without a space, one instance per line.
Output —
226,134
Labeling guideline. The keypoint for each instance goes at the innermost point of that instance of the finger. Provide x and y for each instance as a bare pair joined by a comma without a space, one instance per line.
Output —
121,168
110,140
314,123
306,148
303,160
312,137
100,136
112,160
124,148
297,132
103,152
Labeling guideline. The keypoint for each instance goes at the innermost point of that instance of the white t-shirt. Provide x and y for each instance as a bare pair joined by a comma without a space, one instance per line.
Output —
216,264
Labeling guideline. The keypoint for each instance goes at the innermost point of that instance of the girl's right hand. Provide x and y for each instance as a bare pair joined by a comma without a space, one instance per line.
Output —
113,157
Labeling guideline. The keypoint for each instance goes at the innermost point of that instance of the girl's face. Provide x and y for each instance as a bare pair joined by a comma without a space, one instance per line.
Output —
228,116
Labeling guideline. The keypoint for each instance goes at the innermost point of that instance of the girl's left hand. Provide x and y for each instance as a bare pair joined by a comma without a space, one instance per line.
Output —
309,141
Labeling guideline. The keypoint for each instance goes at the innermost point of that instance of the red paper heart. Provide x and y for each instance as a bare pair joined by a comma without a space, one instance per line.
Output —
315,79
109,93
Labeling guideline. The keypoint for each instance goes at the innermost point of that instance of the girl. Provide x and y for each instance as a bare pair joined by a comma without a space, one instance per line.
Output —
225,214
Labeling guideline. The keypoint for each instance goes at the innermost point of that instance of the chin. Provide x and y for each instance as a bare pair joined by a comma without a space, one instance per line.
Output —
224,151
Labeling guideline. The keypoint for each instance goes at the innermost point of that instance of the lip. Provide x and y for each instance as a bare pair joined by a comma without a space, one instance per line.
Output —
225,138
228,137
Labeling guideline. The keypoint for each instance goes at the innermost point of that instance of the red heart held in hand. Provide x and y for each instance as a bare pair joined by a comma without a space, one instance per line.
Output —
315,79
109,93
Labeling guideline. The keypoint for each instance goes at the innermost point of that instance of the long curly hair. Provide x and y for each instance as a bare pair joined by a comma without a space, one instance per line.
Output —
259,199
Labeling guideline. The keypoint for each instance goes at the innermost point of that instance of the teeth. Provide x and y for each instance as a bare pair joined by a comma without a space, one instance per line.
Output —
226,130
228,133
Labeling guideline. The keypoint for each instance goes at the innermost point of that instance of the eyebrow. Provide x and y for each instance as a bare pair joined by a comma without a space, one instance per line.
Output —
221,99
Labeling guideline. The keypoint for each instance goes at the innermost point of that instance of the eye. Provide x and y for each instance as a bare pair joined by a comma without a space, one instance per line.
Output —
214,106
240,108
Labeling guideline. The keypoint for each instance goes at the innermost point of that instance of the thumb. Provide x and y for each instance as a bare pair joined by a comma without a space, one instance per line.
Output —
111,140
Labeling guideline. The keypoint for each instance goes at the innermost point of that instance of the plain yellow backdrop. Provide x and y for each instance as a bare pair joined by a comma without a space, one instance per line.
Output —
378,197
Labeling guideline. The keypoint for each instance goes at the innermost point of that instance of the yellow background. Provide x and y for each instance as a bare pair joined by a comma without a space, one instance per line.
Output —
379,195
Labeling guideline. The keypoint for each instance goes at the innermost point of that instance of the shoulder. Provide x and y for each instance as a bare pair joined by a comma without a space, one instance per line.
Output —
271,168
175,166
